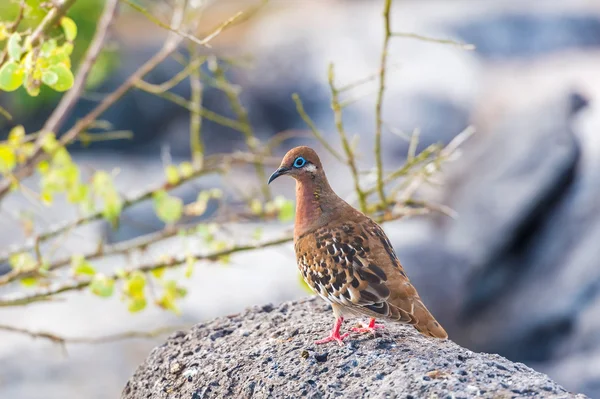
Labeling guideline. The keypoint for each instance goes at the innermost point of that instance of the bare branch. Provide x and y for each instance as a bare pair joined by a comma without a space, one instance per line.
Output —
339,123
309,122
49,21
60,113
463,46
170,45
379,104
58,339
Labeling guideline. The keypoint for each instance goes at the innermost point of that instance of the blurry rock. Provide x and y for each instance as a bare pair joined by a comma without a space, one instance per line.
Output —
529,35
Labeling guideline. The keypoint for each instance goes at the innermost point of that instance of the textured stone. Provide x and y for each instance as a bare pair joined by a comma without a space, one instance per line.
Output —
270,353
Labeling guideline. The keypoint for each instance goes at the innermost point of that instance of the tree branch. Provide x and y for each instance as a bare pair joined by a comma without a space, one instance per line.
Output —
54,123
58,339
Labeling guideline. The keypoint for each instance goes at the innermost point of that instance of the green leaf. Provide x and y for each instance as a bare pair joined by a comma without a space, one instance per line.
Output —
137,304
47,48
102,285
168,209
8,158
49,78
69,27
172,174
22,262
286,211
171,293
49,143
29,281
102,183
11,76
190,261
256,206
16,135
3,31
78,194
112,208
158,273
135,285
64,75
81,267
186,169
14,47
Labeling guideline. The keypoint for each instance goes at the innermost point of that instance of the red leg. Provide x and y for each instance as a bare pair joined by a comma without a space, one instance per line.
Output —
370,328
335,334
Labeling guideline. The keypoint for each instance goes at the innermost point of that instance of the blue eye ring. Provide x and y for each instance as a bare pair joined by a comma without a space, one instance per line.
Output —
299,162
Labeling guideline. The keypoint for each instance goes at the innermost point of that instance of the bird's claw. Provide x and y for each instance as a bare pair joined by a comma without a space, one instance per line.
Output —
333,337
367,329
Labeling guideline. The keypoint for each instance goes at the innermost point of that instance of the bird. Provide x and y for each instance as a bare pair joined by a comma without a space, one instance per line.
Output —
346,258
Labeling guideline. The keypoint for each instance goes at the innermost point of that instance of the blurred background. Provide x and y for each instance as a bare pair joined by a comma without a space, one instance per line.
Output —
517,272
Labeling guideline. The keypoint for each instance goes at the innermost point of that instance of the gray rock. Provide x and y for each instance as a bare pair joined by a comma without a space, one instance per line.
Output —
269,352
528,35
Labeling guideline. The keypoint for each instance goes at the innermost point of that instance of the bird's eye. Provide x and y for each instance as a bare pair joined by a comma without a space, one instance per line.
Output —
299,162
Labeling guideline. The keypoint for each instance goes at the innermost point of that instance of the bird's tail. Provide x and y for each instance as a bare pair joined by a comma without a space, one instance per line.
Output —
427,325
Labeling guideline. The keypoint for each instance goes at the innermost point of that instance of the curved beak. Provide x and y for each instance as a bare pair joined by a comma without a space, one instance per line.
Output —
277,173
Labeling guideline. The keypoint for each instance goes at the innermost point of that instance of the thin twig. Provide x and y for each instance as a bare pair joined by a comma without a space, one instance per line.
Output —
463,46
339,123
21,299
217,163
309,122
167,49
252,141
60,113
196,143
49,21
379,104
61,340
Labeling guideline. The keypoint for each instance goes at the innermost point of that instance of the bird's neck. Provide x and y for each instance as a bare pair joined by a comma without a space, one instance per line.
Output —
315,203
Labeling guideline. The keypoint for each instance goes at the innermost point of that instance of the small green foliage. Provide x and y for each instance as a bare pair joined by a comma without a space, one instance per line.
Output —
29,282
168,209
285,209
62,77
256,207
158,273
81,267
13,47
12,76
199,207
33,64
104,188
69,27
22,262
8,159
282,207
134,291
102,285
190,261
186,170
172,174
207,232
171,293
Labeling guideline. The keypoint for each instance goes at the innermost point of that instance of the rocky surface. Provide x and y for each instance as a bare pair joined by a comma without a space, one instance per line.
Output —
269,352
519,264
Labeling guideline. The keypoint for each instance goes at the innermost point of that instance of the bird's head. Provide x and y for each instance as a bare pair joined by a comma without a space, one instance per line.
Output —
301,163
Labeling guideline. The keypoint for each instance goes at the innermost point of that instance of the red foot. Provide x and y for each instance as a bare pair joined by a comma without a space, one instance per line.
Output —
369,329
335,334
338,338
